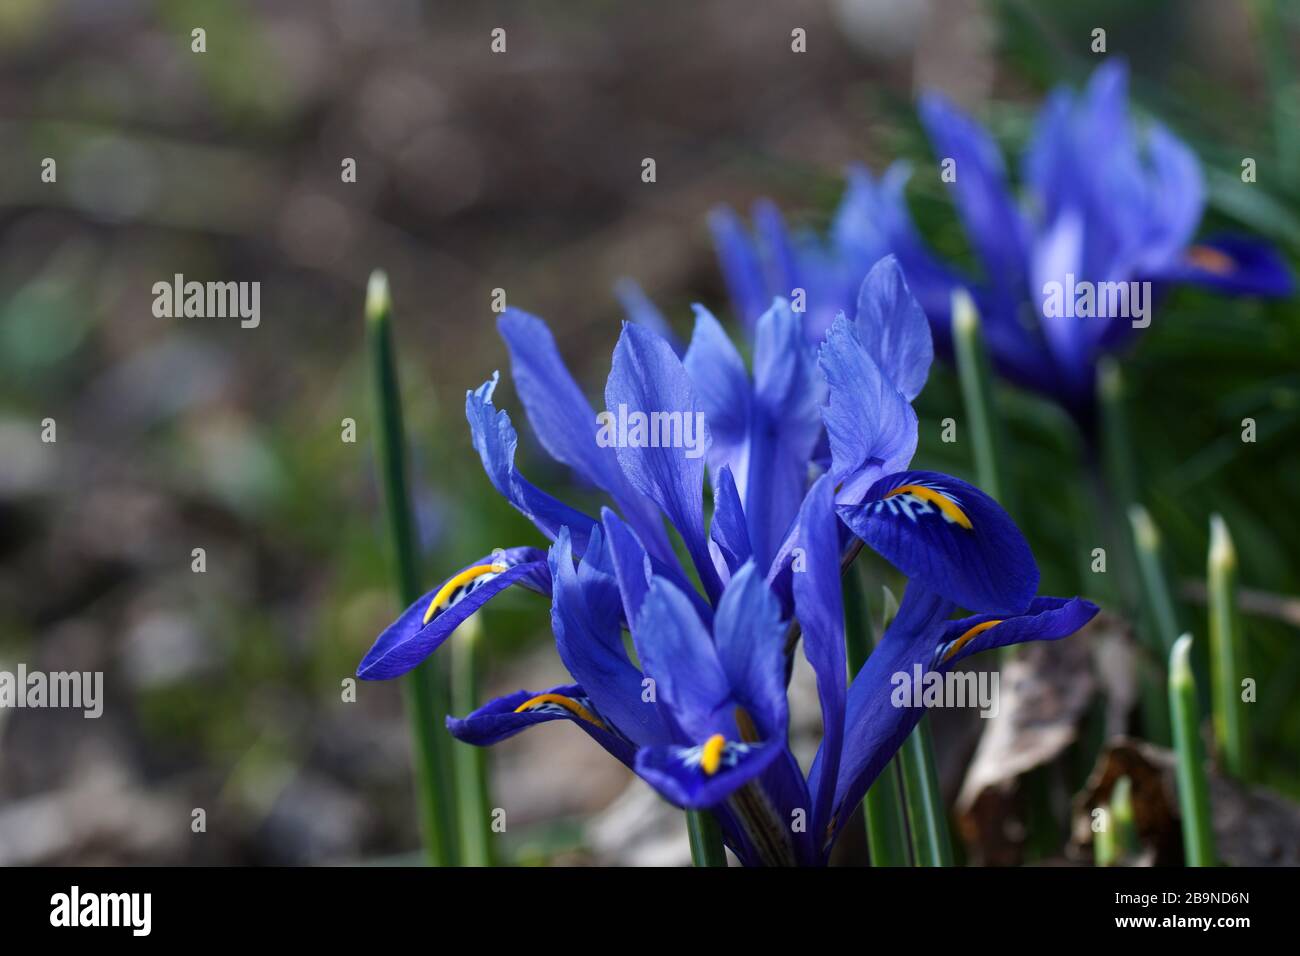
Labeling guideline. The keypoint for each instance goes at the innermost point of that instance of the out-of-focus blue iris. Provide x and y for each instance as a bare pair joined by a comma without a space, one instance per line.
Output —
1104,222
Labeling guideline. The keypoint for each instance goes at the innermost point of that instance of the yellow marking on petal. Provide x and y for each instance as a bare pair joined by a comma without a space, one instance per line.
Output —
559,700
745,724
711,758
966,638
447,590
1211,260
944,503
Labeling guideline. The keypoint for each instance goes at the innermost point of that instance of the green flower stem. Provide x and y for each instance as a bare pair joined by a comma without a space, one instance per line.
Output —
706,838
927,819
977,394
1104,852
470,762
426,687
1155,584
1227,653
1193,785
1116,841
931,845
1117,447
886,824
1122,822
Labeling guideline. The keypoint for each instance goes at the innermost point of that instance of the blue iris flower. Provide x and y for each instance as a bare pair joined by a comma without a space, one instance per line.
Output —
1104,204
700,712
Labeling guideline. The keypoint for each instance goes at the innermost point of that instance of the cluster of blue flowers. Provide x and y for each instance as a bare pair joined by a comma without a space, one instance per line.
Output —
1102,203
702,713
807,454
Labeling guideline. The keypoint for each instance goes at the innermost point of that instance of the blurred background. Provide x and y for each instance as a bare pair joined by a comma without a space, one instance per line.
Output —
522,171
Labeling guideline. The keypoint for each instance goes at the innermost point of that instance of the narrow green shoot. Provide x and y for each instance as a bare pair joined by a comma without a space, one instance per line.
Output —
931,845
1117,446
886,824
1193,784
426,687
470,762
927,819
706,838
1156,592
1122,822
1227,654
977,394
1116,842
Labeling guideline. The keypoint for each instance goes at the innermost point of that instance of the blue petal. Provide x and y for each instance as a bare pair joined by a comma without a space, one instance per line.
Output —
647,377
750,639
819,605
722,387
784,427
566,425
631,564
870,424
783,259
1236,265
869,211
585,618
495,440
499,719
675,771
641,310
1176,199
949,537
874,728
677,651
408,640
633,568
1047,619
728,530
893,328
742,268
995,227
1057,255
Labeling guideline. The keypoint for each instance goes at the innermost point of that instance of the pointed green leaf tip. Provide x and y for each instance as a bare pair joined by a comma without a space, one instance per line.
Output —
378,302
1144,529
889,610
1222,553
965,318
1193,786
1180,667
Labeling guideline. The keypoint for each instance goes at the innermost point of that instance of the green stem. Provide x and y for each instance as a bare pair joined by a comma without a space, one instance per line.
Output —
1155,583
1117,448
1193,785
925,811
426,687
1115,842
886,825
474,803
706,838
1122,822
1227,653
977,393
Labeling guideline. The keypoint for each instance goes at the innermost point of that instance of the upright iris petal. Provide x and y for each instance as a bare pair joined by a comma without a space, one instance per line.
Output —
585,612
646,377
783,429
820,607
495,440
565,423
